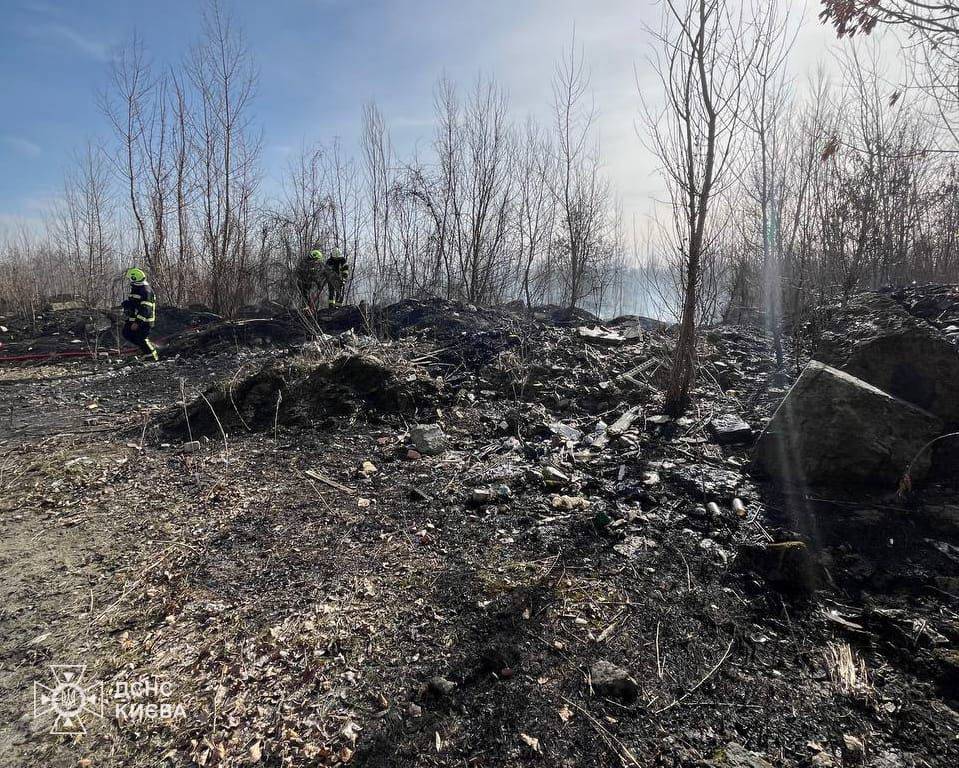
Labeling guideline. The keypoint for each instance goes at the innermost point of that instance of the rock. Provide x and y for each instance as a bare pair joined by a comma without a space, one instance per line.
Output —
482,495
834,428
875,339
439,686
729,429
413,455
429,439
613,682
552,476
570,502
947,663
735,755
566,432
191,447
706,481
368,468
788,565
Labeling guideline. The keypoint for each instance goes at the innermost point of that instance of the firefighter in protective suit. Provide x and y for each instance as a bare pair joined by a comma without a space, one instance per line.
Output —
140,309
337,273
315,272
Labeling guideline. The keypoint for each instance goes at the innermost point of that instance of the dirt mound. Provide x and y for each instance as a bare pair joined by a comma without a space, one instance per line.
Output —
283,330
646,323
564,317
300,392
437,318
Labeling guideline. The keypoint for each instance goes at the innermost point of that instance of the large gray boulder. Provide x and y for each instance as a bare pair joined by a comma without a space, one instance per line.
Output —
833,428
875,339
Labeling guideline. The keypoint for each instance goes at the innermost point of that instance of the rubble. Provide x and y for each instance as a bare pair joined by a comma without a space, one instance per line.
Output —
429,439
834,428
382,606
600,335
730,429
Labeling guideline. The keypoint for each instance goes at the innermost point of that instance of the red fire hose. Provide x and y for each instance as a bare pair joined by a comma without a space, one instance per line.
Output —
73,353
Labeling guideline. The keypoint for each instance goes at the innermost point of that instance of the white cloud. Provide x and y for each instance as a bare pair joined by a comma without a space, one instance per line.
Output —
63,33
21,146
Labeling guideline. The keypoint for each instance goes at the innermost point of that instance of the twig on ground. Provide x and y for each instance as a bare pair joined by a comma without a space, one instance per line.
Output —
696,687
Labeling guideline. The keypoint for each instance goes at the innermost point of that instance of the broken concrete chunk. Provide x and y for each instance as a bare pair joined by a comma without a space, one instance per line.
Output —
566,432
429,439
729,429
834,428
875,339
613,682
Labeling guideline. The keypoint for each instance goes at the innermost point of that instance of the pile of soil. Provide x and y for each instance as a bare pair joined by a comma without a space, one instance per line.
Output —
301,391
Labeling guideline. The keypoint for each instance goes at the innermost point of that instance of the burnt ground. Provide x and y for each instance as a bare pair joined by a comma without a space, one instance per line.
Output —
446,610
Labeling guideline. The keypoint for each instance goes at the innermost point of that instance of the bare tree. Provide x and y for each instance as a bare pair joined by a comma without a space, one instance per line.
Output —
766,120
933,39
701,68
84,227
220,70
581,192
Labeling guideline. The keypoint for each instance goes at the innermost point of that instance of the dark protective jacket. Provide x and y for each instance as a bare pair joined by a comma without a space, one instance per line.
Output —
338,265
141,306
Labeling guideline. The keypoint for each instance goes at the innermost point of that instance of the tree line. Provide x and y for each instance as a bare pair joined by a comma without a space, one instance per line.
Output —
496,210
782,190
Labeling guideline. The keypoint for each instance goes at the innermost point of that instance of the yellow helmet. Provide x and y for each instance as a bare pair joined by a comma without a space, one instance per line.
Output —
136,274
317,254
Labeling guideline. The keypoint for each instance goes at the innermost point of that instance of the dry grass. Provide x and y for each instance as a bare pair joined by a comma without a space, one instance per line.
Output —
847,672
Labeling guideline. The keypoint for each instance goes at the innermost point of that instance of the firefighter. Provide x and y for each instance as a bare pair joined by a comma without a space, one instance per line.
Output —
140,310
337,271
310,275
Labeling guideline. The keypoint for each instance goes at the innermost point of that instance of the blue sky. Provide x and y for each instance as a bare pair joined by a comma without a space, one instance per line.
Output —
319,62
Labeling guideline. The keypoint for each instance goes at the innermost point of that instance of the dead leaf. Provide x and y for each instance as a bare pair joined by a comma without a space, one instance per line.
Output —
530,741
350,731
565,713
255,753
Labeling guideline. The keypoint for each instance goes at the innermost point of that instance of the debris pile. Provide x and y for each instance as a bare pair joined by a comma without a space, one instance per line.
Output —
308,392
453,535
